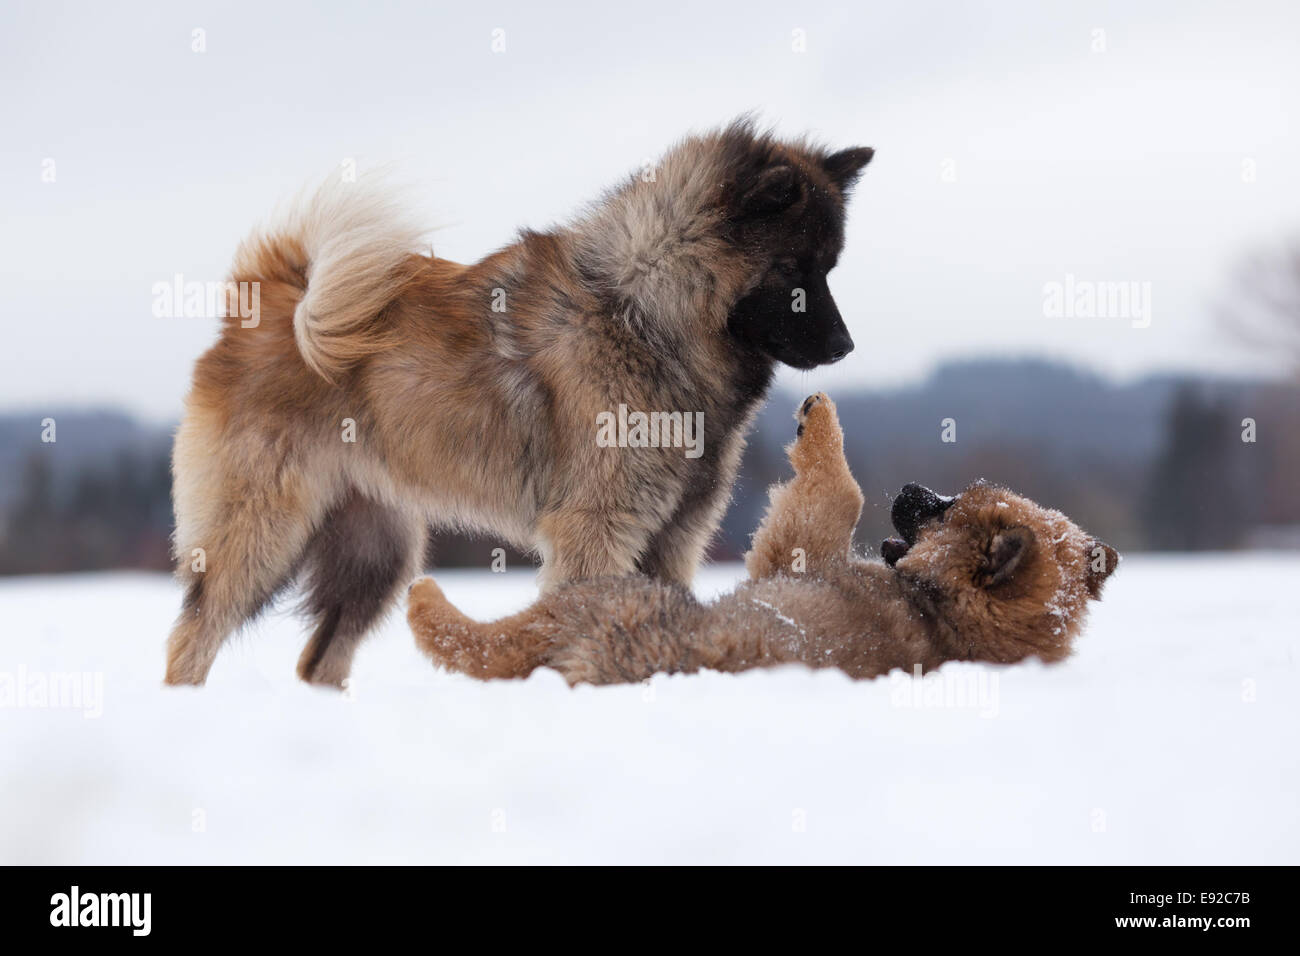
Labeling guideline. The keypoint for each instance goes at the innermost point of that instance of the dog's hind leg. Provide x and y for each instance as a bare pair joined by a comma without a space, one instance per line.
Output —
511,647
234,550
354,567
810,519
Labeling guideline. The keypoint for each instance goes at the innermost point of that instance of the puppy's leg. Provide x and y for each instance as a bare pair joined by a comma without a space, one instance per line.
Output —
810,519
356,564
511,647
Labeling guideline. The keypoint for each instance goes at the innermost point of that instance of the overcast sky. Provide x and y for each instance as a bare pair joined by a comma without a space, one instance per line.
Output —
1011,151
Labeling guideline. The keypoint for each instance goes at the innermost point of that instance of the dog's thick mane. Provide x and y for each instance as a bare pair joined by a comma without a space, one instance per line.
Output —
653,243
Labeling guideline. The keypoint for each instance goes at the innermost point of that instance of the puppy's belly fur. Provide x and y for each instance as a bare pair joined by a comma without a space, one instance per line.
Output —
629,629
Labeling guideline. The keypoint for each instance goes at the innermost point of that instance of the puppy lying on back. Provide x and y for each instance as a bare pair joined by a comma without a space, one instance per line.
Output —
985,575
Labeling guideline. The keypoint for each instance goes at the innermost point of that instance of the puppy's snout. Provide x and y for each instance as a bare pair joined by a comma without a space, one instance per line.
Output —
914,506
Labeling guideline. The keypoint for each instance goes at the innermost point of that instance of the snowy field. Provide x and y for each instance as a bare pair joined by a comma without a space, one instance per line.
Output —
1170,737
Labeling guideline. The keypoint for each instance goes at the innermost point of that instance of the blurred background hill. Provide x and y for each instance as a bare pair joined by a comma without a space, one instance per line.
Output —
1158,464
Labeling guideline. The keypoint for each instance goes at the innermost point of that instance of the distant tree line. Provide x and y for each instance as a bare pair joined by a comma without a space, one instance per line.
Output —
115,514
1171,464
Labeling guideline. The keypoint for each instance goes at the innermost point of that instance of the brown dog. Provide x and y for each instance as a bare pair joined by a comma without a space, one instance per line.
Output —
986,575
380,390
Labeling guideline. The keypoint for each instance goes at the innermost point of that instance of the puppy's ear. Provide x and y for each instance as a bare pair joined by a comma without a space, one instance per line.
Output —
1006,554
846,166
1102,560
774,189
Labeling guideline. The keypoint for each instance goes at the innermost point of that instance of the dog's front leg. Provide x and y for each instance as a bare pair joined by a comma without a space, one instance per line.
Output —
578,543
677,548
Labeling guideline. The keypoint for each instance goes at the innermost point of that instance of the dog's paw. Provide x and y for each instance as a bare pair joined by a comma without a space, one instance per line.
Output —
818,433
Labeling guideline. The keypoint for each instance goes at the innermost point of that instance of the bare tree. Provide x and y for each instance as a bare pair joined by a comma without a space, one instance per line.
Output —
1263,313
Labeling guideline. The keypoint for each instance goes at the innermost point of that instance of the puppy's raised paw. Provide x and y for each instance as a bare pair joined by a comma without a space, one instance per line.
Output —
818,436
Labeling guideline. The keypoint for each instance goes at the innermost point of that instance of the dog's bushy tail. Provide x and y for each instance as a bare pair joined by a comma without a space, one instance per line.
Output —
350,242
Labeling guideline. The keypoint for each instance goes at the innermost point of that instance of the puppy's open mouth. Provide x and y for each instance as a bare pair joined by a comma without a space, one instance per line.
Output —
914,506
891,549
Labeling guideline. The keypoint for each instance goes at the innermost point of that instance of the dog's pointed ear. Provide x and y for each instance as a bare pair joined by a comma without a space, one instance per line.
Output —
846,166
1006,554
1102,560
774,189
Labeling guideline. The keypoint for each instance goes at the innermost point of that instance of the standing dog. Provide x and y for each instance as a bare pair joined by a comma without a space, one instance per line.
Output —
381,390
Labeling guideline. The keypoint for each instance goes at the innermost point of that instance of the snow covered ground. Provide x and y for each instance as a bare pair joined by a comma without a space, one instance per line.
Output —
1171,737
